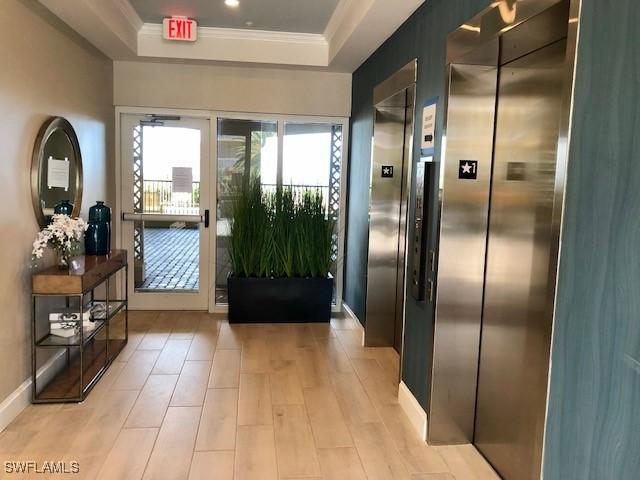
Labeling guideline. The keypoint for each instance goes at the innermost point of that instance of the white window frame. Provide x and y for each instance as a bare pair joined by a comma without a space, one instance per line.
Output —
213,116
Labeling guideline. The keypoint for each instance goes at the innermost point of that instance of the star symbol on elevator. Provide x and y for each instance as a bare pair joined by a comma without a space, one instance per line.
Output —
387,171
466,168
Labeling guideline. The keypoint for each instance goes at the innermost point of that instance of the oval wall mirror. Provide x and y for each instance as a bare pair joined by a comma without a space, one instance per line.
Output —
56,170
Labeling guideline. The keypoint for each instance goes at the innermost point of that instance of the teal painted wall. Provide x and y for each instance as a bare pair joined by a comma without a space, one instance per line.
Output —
422,36
593,428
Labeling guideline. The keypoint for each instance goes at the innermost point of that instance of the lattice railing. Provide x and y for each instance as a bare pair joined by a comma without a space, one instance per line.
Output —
335,173
138,193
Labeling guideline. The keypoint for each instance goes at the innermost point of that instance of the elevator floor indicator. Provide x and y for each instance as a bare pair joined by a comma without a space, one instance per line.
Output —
468,170
387,171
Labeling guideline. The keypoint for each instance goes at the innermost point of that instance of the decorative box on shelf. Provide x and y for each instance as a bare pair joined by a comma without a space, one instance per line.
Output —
88,332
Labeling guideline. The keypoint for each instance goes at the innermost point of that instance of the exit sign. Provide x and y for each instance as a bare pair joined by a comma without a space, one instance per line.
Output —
180,28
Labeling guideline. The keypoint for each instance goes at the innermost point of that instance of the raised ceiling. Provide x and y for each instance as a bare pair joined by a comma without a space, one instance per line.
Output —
302,16
334,35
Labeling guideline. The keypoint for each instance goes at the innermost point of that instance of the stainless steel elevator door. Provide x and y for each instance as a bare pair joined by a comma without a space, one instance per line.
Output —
387,220
463,238
518,303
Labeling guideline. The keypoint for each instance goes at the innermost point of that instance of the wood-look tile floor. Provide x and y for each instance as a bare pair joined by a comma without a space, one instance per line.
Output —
192,397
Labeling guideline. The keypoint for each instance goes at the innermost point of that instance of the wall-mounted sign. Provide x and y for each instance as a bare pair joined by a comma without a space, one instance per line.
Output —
468,170
428,138
387,171
181,29
182,180
58,173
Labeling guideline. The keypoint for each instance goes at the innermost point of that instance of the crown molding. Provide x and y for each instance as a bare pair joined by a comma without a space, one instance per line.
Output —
312,39
355,29
130,14
346,21
336,19
238,45
107,25
364,26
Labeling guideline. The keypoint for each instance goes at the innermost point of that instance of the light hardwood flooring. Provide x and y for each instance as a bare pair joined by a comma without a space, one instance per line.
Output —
192,397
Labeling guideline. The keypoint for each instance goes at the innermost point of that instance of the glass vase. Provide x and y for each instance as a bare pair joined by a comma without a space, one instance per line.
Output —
63,260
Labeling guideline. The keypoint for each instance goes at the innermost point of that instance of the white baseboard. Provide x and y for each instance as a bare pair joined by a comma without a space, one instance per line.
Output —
17,401
219,309
349,312
413,410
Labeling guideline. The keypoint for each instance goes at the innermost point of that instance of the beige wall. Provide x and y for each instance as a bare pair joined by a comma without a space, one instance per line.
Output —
232,89
46,71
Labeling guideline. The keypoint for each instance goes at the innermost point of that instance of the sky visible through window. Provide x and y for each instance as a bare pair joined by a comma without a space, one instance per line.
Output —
167,147
306,159
306,156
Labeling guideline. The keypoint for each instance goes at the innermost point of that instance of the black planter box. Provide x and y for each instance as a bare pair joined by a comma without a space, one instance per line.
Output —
279,300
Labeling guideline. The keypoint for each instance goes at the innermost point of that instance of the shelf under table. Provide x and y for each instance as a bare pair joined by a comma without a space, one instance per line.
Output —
54,341
65,385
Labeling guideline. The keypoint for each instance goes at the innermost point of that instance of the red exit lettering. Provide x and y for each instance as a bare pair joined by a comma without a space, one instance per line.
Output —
179,28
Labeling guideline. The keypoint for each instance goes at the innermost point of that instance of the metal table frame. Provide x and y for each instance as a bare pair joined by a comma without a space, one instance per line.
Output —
123,304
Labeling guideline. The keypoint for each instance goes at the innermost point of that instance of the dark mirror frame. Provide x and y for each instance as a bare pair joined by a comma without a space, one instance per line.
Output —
52,125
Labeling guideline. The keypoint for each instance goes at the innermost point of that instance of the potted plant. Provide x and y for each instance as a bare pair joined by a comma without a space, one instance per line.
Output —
280,251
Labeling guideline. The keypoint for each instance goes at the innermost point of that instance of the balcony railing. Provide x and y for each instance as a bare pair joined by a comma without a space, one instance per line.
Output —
225,195
298,189
159,198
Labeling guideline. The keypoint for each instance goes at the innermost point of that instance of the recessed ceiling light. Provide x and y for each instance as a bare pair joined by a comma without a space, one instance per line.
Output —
232,3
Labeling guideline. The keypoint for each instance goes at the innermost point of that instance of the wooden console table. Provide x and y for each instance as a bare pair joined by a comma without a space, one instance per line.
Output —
90,352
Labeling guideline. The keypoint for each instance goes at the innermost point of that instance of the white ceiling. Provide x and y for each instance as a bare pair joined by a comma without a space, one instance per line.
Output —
333,35
303,16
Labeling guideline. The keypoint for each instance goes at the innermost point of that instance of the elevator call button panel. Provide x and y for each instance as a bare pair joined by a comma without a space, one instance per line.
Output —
419,275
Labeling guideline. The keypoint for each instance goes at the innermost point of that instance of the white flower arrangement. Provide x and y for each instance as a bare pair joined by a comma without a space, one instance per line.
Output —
64,234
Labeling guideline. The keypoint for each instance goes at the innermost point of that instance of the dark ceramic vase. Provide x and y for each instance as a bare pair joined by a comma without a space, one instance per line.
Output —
64,207
97,239
100,213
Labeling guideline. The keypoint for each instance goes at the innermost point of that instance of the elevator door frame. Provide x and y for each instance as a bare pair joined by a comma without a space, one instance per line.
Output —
384,325
453,381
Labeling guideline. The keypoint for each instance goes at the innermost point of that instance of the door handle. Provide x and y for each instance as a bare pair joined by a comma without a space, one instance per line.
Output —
206,218
161,217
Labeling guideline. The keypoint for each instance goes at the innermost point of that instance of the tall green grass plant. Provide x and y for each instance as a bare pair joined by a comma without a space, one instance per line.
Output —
285,233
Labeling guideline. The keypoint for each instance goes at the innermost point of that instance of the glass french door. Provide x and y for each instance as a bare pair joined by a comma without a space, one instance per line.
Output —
165,211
